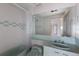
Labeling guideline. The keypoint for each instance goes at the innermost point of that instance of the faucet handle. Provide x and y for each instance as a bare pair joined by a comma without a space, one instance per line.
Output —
62,42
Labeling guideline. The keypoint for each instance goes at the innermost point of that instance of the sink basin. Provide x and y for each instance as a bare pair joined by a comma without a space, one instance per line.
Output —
61,45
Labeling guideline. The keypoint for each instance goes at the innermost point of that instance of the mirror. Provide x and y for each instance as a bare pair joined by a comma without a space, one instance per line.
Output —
50,23
63,22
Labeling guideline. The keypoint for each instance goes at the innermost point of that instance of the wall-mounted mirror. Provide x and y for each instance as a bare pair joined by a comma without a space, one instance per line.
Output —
61,22
50,23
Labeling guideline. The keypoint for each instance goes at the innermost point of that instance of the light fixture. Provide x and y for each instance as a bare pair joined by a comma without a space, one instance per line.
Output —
54,10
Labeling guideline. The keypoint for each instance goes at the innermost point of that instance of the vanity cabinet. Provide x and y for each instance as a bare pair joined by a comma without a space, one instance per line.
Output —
50,51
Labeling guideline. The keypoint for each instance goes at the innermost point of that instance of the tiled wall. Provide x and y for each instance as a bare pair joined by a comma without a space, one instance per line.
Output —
12,27
7,23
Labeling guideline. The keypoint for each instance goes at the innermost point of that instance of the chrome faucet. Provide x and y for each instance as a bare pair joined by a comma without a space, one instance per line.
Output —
59,41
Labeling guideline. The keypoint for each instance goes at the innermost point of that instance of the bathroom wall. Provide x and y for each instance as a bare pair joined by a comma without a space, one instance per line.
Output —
76,25
69,22
67,25
12,27
43,26
30,27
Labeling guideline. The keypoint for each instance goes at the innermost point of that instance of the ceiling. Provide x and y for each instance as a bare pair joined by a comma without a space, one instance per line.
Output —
49,13
29,6
44,9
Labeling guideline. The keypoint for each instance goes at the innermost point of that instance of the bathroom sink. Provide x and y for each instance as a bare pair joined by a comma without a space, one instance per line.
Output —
60,45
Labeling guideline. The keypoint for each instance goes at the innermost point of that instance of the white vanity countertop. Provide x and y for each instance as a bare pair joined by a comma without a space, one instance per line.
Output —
49,51
72,48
